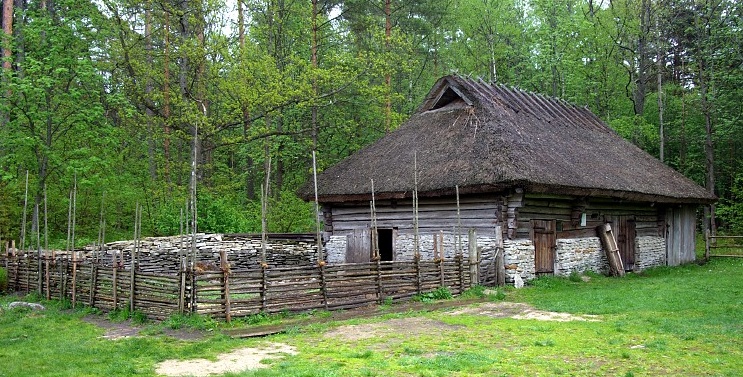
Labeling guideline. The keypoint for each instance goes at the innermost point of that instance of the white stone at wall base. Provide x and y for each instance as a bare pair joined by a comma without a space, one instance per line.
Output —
573,254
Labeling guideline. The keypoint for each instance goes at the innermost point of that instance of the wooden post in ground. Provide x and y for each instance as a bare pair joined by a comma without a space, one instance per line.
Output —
74,278
115,283
500,265
93,282
264,286
706,245
417,259
441,258
474,258
323,284
46,275
378,264
225,267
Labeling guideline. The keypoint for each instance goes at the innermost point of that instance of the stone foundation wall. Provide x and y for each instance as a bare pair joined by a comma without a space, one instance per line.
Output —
574,254
650,252
580,254
335,248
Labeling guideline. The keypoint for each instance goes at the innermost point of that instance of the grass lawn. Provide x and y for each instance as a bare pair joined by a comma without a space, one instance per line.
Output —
685,321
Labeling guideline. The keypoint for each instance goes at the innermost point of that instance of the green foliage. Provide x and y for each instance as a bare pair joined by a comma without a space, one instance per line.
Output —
441,293
190,321
3,280
575,277
730,211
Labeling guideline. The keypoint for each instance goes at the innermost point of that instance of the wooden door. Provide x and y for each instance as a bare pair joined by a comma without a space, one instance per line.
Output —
358,246
624,228
545,242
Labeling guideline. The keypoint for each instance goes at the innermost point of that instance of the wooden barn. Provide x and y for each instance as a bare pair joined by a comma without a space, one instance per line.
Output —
544,172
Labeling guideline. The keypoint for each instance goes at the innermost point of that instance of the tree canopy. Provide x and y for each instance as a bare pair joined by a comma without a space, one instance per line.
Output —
118,95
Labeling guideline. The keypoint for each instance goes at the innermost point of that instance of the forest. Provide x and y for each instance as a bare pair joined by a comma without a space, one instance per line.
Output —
140,101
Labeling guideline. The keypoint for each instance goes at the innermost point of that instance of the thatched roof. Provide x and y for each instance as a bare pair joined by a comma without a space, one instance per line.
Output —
489,138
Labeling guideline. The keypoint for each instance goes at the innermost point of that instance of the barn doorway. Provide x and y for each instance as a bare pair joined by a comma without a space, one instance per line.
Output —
626,233
386,240
545,243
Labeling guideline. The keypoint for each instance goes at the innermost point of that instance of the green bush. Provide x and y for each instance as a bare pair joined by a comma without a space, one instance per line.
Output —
441,293
3,280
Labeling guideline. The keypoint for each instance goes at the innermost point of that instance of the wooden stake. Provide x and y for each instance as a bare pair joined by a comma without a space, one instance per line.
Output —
225,267
23,220
441,257
500,268
416,244
265,192
474,259
320,255
375,229
134,255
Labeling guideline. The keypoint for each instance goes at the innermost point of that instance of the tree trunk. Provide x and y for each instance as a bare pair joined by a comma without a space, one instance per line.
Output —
643,58
388,75
149,114
7,35
313,60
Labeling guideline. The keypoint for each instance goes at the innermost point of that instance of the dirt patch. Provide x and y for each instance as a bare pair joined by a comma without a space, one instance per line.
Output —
126,329
517,310
234,362
113,330
406,327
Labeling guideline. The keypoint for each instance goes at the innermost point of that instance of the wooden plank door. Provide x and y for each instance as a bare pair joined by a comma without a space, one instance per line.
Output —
358,246
545,242
626,234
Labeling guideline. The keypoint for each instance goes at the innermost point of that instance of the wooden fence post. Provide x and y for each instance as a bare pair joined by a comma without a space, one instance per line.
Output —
74,278
706,245
93,282
28,272
380,299
115,284
46,278
460,270
264,286
323,284
474,258
417,259
441,258
182,286
225,267
500,265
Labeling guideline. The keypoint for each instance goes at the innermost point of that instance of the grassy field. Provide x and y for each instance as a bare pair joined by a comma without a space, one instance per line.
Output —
685,321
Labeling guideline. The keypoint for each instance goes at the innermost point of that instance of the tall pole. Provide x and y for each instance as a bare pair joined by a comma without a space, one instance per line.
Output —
23,220
416,243
320,258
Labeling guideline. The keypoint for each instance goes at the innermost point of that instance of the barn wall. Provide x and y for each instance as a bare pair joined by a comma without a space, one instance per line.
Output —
434,215
681,235
587,254
568,211
579,255
577,246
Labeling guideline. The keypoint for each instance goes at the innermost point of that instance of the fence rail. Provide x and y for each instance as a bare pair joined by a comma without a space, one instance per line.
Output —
226,293
712,247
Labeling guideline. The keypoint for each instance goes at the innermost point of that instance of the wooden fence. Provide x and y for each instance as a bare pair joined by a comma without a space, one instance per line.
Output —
227,293
728,249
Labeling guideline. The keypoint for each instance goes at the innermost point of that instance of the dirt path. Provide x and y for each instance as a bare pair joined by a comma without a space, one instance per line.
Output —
236,361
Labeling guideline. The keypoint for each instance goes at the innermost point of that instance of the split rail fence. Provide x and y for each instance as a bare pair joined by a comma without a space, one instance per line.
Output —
731,248
226,293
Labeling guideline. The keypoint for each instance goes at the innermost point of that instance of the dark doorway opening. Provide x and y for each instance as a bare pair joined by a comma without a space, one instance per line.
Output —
385,240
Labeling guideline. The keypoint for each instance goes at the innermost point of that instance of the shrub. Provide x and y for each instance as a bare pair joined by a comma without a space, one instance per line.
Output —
3,280
441,293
